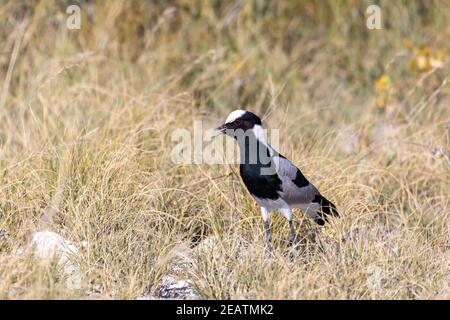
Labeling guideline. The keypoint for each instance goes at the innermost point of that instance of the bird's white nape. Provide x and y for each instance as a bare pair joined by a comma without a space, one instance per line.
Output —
260,133
234,115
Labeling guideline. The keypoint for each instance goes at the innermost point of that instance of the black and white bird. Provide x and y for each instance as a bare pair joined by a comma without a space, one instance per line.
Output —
274,182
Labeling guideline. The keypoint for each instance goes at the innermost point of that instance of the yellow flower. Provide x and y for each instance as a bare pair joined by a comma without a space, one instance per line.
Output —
424,59
422,63
382,89
437,60
382,83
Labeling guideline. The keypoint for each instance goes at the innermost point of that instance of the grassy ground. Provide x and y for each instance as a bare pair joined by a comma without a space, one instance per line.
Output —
86,118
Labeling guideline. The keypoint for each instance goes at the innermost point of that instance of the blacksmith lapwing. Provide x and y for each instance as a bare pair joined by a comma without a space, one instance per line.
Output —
274,182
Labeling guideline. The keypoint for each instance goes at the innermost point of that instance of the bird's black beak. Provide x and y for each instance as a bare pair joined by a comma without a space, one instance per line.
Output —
222,128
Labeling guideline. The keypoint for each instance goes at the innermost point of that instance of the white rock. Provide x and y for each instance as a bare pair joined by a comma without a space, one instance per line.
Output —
171,288
49,245
3,235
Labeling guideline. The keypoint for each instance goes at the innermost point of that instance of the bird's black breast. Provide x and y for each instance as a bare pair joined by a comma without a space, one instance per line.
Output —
257,169
261,186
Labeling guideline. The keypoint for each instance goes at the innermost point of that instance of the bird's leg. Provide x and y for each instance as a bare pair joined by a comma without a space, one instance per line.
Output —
287,213
293,237
265,215
268,237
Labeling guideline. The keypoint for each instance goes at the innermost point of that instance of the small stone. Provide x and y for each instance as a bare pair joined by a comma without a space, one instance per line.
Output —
3,235
48,244
171,288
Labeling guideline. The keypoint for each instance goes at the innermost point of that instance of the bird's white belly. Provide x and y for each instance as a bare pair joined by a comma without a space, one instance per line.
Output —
271,204
310,209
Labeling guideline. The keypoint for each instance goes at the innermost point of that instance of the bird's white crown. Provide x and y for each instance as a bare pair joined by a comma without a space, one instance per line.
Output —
234,115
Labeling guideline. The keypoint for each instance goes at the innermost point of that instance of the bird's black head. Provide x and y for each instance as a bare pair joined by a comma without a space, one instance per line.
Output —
239,119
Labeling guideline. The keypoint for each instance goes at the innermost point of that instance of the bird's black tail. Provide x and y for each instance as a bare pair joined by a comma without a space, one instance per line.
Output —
327,208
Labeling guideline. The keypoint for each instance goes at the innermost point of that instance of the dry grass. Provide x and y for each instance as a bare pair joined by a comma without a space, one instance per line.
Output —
85,133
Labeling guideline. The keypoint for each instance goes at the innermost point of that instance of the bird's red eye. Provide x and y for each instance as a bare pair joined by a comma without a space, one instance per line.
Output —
237,121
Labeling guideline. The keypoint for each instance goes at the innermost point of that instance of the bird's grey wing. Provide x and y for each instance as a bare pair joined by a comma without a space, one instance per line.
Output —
296,189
